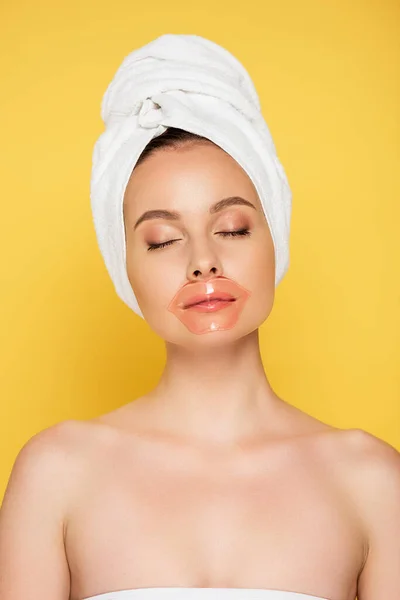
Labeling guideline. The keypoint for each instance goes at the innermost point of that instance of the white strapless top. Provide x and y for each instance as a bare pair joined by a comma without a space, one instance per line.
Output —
183,593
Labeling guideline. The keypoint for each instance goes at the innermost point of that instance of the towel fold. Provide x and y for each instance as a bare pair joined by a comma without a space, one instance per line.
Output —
192,83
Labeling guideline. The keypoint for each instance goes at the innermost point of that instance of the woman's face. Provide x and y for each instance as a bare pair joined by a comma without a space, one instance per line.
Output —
189,181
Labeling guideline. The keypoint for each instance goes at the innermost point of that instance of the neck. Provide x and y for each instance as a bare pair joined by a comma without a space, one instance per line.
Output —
219,395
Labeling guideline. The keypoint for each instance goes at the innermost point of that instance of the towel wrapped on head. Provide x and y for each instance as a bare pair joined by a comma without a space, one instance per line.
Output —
191,83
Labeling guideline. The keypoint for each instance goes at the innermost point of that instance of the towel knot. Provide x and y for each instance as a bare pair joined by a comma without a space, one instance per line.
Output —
149,113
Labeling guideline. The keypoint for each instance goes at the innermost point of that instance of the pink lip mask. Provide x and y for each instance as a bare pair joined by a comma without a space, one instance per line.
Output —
206,306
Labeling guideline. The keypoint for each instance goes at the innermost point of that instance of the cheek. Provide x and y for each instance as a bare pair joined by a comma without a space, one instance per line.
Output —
254,262
266,261
152,280
265,256
259,273
265,266
266,280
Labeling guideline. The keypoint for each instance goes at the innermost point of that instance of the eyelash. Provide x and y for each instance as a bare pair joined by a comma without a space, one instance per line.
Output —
241,232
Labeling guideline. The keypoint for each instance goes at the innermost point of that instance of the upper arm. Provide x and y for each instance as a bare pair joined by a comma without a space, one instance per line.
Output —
33,563
380,577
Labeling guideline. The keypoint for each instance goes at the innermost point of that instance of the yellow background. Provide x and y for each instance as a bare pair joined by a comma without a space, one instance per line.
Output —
328,79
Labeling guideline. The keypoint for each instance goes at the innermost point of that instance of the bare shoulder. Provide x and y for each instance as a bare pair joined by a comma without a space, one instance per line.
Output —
373,468
50,460
45,449
374,457
73,435
378,464
59,442
368,458
35,509
365,465
370,467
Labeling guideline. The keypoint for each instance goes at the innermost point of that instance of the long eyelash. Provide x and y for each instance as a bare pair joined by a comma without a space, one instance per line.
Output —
239,232
223,233
156,246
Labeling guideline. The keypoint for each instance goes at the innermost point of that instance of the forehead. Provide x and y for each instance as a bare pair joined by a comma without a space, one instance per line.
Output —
202,173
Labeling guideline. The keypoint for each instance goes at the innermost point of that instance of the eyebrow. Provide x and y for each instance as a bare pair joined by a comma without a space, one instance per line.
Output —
175,216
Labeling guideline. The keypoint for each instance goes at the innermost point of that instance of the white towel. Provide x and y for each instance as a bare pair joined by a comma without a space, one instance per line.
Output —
192,83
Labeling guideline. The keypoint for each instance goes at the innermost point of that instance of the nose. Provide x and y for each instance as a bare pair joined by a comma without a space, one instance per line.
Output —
204,264
213,272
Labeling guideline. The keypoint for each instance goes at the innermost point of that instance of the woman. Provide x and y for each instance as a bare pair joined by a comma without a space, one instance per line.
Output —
210,486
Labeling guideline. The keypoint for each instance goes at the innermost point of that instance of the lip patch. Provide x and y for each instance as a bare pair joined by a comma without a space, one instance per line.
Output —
214,315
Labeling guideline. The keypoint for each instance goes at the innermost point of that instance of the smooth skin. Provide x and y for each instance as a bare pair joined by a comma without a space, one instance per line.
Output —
211,479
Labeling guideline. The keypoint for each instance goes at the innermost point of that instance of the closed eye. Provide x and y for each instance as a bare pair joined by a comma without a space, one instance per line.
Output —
240,232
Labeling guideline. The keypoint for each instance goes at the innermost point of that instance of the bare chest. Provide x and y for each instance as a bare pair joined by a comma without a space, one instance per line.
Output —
160,521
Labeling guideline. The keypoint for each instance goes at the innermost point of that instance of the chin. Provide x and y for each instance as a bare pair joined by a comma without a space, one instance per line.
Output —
179,335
